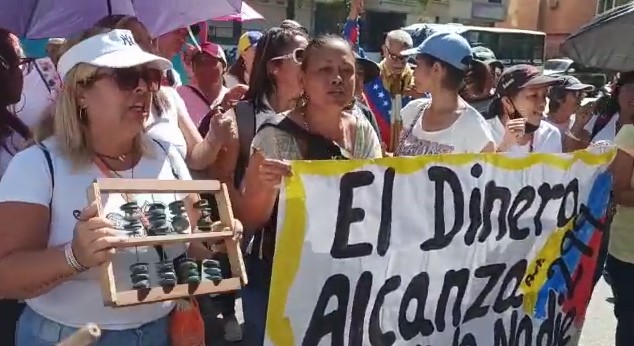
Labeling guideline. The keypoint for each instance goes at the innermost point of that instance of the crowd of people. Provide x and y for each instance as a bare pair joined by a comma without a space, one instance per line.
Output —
121,110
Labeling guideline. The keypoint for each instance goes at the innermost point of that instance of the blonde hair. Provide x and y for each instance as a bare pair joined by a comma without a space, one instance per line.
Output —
67,122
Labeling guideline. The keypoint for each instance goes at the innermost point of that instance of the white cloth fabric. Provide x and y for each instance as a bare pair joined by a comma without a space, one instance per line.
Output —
79,300
607,133
470,133
116,49
545,140
165,128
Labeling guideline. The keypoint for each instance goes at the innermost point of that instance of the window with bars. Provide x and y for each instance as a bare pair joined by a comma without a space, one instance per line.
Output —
606,5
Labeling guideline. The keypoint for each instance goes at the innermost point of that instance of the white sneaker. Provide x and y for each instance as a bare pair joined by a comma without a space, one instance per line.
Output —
233,330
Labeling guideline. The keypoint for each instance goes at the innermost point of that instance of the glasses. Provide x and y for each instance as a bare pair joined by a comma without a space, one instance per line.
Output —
396,57
127,79
297,55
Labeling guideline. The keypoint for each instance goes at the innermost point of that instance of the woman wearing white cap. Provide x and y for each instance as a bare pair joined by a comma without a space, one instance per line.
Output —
169,118
53,240
445,123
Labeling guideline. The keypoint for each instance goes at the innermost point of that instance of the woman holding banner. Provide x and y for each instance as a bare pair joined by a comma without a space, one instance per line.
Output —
445,123
318,128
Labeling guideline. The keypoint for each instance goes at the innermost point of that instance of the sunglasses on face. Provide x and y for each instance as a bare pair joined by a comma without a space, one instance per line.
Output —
127,79
297,55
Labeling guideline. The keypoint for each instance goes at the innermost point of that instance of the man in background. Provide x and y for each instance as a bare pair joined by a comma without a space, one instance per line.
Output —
396,74
53,48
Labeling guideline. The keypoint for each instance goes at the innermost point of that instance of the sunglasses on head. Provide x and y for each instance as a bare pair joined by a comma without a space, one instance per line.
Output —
297,55
127,79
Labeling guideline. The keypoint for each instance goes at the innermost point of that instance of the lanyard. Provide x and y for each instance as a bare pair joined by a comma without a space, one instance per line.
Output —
109,173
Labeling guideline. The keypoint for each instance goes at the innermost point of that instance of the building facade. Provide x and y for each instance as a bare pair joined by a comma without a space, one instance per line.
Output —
381,16
557,18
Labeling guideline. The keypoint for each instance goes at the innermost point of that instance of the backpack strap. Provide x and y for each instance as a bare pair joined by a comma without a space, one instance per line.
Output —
198,93
51,169
312,146
602,121
169,158
245,120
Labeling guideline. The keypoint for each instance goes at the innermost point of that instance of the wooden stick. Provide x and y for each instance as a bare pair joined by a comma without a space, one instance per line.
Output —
85,336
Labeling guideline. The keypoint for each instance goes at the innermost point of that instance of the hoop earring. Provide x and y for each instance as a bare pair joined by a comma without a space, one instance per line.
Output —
83,117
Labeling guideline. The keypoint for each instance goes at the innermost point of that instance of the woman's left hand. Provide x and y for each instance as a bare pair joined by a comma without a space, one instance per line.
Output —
234,95
222,127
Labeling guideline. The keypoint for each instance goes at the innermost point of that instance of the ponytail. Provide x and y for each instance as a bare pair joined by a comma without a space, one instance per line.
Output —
495,109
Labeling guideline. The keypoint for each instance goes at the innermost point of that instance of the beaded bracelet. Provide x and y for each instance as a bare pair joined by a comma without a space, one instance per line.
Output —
69,255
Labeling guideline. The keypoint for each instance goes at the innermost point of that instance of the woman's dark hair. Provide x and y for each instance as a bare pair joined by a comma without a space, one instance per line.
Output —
238,69
321,42
609,104
273,43
111,21
495,107
9,121
454,78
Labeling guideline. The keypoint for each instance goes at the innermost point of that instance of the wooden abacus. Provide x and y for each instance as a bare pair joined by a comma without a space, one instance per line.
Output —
221,232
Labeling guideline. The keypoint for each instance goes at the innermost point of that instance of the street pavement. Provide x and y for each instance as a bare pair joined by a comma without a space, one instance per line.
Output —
598,329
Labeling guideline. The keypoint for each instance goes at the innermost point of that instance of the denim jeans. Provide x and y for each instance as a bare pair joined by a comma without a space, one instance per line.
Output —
255,299
622,274
36,330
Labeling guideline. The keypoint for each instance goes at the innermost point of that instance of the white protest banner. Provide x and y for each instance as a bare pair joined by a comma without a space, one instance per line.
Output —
467,250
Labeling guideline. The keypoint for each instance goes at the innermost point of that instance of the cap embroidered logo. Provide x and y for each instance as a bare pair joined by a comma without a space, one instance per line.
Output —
509,82
127,40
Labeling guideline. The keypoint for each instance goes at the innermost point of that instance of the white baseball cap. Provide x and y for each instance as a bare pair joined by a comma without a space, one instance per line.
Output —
113,49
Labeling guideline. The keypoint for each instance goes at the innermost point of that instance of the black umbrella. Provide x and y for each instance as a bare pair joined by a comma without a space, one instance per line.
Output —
607,42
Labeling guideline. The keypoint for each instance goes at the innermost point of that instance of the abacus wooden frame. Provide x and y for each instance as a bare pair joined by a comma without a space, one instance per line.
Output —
156,294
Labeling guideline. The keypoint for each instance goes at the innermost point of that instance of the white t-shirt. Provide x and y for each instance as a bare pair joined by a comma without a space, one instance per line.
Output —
79,300
546,139
607,133
563,128
165,128
470,133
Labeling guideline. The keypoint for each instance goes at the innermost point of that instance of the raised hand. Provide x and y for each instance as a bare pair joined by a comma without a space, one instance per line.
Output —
269,172
233,95
223,128
514,130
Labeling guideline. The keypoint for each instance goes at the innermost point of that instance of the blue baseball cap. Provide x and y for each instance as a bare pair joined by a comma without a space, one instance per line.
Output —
445,46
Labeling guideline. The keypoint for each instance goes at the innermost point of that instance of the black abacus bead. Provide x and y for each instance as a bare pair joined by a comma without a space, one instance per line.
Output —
166,273
201,204
188,271
130,207
140,275
203,225
157,219
180,224
177,207
206,263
